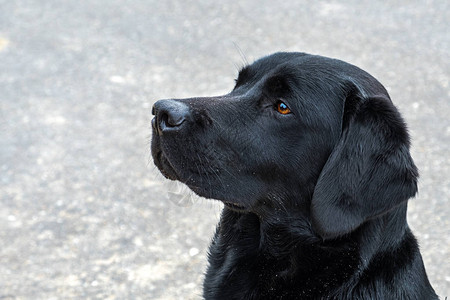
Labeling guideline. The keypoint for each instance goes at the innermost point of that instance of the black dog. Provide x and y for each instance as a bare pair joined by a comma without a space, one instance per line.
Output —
312,162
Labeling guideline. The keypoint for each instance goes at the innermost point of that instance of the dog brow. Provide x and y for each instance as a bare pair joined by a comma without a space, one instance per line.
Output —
243,76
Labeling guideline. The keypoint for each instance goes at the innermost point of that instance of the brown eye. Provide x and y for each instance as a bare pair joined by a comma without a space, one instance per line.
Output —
282,108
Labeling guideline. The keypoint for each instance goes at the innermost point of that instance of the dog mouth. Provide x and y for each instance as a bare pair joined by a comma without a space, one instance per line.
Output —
197,182
165,167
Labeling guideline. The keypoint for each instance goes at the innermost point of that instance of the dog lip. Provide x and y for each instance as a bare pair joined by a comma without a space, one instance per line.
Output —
165,167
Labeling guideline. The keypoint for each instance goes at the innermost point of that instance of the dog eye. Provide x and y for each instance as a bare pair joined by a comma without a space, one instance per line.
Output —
282,108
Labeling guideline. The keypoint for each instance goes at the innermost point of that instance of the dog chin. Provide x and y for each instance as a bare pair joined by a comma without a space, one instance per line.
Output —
214,195
164,167
169,172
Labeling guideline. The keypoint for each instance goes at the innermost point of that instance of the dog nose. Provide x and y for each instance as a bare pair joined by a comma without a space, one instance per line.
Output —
170,115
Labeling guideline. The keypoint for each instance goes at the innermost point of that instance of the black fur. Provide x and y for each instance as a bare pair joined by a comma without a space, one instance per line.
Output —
315,200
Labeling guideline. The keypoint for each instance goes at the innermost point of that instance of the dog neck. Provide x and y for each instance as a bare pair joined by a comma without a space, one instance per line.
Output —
284,246
285,236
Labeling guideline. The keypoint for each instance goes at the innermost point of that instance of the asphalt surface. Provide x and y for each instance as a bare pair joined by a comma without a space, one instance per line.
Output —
83,212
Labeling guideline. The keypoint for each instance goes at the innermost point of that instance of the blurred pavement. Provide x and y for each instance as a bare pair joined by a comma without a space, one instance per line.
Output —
83,212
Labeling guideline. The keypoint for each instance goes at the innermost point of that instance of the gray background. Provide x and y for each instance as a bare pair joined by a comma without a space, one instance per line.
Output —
84,213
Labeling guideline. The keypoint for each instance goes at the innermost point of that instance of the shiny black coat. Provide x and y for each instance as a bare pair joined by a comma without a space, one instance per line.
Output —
312,162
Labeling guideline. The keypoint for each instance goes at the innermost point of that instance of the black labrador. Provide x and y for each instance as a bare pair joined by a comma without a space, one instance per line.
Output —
311,160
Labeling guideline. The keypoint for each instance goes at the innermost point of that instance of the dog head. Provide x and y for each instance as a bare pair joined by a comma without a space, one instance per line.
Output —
297,132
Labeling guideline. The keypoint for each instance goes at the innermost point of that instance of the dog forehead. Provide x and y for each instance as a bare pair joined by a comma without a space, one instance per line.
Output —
312,69
263,66
296,64
266,65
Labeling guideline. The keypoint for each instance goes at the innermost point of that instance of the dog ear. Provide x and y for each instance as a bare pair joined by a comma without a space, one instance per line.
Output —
369,172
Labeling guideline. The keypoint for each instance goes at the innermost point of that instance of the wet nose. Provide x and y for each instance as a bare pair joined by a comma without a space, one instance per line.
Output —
170,115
